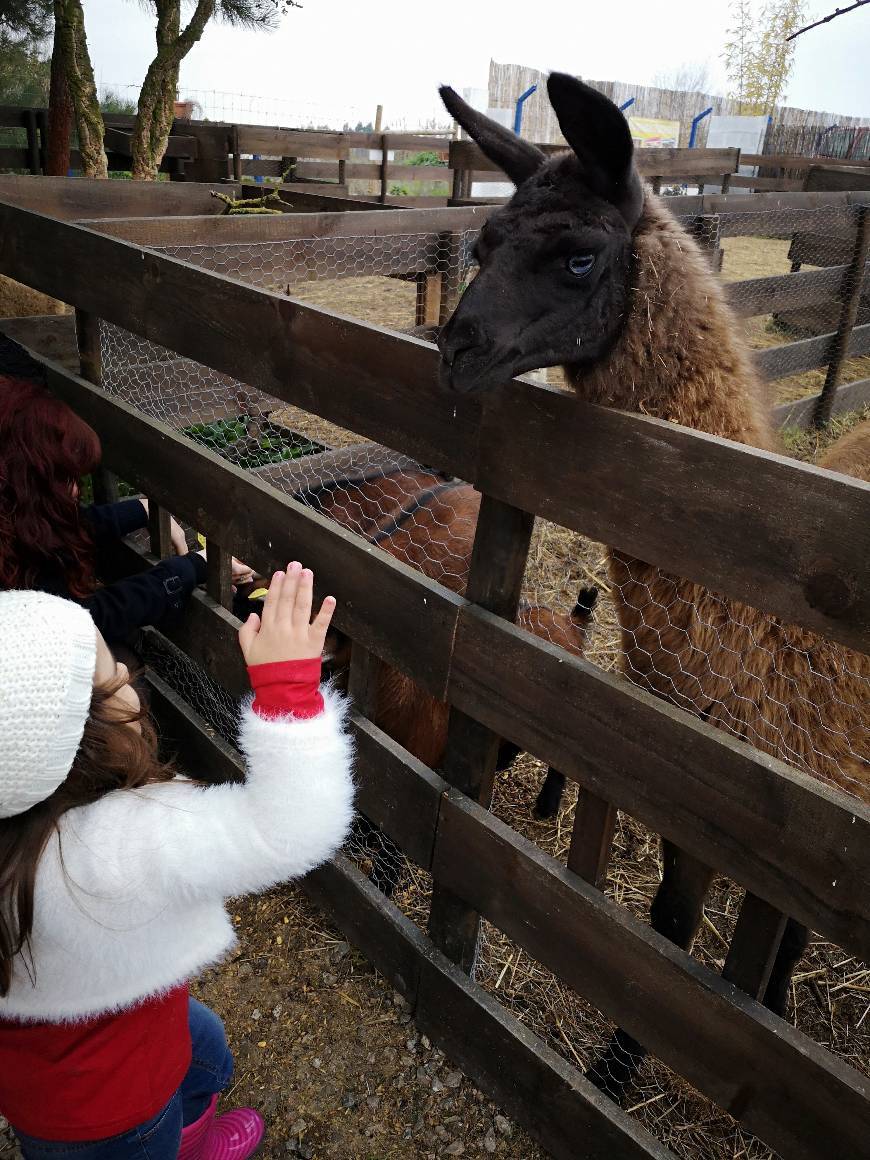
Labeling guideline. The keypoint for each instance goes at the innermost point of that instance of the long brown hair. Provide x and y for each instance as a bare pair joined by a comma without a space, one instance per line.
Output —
111,756
45,449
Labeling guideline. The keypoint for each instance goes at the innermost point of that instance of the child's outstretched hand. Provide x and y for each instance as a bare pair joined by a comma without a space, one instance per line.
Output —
286,632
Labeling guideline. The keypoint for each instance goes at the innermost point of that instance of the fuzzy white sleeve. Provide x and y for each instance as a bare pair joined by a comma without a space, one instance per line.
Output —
176,839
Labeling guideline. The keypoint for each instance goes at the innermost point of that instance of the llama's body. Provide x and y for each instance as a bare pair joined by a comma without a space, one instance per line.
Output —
785,690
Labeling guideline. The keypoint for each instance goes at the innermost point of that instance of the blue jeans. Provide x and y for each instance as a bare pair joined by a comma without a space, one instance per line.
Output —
211,1069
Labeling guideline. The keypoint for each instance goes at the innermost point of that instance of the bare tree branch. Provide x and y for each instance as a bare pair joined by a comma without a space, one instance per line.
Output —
832,16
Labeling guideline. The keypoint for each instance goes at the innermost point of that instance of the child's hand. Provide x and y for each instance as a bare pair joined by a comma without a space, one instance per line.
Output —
286,632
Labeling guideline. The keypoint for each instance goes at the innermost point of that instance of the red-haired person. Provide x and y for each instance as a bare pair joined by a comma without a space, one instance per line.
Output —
114,870
48,541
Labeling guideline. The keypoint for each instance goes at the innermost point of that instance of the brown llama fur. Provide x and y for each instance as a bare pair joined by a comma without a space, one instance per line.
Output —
785,690
850,455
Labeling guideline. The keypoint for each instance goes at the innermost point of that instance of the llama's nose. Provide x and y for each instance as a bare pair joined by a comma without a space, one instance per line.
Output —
459,335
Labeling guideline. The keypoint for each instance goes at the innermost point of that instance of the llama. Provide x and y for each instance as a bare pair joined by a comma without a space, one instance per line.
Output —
850,455
586,269
427,520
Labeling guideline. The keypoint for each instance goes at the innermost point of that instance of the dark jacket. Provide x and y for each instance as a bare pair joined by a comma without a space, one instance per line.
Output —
146,598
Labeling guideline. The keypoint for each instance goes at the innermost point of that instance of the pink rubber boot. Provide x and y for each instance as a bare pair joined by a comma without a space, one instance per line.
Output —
193,1136
235,1135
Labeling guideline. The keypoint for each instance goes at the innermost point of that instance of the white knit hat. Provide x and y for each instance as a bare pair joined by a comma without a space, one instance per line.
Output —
48,654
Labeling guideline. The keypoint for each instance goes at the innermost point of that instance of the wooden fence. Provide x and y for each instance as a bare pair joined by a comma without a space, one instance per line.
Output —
131,210
691,504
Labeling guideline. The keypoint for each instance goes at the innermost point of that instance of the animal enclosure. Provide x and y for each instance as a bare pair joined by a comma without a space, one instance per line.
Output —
224,374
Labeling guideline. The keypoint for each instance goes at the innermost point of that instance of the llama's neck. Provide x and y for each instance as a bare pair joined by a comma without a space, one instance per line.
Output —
680,355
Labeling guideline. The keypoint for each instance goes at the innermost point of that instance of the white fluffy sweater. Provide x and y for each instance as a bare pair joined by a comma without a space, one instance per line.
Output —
129,895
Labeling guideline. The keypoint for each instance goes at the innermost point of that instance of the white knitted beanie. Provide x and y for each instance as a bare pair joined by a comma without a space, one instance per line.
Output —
48,654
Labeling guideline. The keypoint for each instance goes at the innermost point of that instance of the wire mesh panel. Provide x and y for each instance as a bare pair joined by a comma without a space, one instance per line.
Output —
790,694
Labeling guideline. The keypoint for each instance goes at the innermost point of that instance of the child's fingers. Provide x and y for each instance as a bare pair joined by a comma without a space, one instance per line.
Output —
324,617
288,592
304,597
248,633
270,603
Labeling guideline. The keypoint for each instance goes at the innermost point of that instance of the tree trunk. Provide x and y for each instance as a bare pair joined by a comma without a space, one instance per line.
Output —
60,118
157,97
69,33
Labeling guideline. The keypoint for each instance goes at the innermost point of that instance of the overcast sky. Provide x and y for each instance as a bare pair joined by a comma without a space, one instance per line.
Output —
340,58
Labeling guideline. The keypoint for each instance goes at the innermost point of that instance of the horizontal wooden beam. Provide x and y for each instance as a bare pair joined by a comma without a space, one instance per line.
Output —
778,362
798,291
735,809
849,397
220,231
778,1083
803,522
68,198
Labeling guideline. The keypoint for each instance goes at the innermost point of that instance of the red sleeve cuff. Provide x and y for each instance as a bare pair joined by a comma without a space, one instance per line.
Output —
287,688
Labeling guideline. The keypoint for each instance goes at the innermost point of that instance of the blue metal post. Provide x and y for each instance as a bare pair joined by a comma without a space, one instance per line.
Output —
630,101
259,177
695,123
518,112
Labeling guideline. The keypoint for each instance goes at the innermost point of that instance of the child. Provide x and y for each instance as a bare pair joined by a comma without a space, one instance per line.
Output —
47,540
113,871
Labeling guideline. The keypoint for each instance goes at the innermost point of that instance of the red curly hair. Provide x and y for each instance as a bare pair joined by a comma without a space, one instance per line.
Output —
45,449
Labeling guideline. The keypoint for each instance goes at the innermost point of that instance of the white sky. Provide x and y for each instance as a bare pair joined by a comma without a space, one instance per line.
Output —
338,59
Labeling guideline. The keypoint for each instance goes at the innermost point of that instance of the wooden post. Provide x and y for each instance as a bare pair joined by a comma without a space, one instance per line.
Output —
726,179
754,946
428,306
32,142
498,562
42,124
592,838
159,530
362,684
237,154
385,165
656,185
91,368
342,170
853,283
219,574
379,116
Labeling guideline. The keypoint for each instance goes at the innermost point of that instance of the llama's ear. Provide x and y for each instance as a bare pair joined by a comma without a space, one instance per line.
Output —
600,137
516,157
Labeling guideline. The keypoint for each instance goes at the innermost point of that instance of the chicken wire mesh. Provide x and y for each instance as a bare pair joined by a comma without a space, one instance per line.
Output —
792,696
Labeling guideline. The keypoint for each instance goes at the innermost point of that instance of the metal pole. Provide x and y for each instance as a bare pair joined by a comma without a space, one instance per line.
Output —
695,123
518,112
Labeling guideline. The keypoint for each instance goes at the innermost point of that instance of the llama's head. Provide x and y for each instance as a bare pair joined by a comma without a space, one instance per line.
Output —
555,262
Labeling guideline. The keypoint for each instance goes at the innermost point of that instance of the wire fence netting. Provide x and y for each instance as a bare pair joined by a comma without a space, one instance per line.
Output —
792,695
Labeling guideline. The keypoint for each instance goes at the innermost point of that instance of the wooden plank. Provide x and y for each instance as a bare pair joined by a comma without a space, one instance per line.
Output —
382,603
779,1084
836,177
849,397
853,282
396,791
773,184
786,291
755,537
505,1059
68,198
206,756
51,335
275,142
219,580
592,838
222,230
778,362
159,531
754,946
722,801
796,160
495,580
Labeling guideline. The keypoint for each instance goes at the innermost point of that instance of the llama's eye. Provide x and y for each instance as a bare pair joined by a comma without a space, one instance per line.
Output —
580,264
